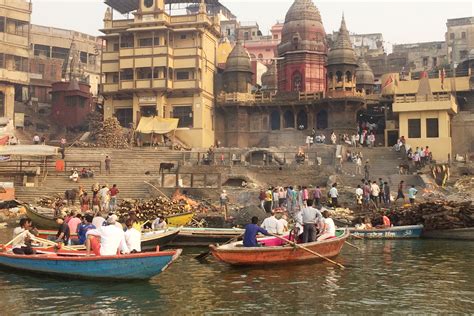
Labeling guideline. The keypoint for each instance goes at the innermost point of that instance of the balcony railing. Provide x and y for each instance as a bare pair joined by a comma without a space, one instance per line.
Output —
424,98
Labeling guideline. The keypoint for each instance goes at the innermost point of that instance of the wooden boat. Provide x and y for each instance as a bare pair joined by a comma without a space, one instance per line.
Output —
395,232
150,240
161,238
41,217
236,254
195,237
179,220
123,267
455,234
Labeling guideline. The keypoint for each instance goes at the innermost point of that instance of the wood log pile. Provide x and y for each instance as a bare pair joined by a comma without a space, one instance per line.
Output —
105,133
152,208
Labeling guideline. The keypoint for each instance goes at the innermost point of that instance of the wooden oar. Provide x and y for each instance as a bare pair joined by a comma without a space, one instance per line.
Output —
357,237
309,250
352,245
51,243
14,239
208,253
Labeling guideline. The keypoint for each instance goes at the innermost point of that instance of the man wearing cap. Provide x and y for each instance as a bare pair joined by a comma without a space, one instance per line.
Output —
107,240
273,224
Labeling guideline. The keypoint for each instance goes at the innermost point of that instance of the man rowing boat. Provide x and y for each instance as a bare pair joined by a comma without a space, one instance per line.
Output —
251,231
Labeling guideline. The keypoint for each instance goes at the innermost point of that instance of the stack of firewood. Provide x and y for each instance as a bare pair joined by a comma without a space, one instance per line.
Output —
111,134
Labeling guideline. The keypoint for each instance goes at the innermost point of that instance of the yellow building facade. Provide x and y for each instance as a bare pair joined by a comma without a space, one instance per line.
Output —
161,64
14,54
424,119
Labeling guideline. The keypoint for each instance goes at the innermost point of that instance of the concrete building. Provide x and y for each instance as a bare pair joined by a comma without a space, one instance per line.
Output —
371,44
161,64
425,119
56,53
264,48
15,18
429,56
459,39
71,103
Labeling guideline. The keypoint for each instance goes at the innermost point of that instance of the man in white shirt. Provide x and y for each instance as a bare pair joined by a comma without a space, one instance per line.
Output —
133,237
375,192
104,195
329,228
159,223
273,225
21,237
98,221
358,165
107,240
359,196
333,194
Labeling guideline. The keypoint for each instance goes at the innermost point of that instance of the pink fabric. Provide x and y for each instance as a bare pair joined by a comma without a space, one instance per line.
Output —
73,222
273,241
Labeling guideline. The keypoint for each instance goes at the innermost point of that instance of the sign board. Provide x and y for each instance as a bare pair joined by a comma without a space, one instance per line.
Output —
147,100
148,17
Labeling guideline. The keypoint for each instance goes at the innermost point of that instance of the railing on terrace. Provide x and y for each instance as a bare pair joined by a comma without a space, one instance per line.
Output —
424,98
192,180
20,166
237,97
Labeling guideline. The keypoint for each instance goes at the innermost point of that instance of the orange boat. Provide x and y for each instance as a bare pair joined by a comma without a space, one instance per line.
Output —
236,254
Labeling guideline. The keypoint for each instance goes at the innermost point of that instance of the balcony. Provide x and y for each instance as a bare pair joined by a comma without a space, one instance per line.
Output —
110,56
110,87
13,39
110,67
143,84
185,63
435,102
17,4
159,84
14,76
185,84
188,51
126,52
126,84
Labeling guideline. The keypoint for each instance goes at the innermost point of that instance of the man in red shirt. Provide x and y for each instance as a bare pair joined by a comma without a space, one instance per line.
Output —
113,198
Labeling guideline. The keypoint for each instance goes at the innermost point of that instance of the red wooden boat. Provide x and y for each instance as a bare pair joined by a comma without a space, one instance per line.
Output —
236,254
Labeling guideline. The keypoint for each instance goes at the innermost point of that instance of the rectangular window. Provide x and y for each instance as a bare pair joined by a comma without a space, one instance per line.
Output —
425,61
185,116
52,72
2,61
463,35
183,36
435,62
182,75
414,128
145,42
125,116
41,69
432,128
115,77
228,32
116,47
451,36
126,74
144,73
2,24
83,57
463,54
127,41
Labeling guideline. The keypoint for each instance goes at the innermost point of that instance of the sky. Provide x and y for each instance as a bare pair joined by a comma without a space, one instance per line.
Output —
400,22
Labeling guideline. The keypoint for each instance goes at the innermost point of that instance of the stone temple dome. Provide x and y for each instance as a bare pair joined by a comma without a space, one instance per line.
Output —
342,51
364,74
303,29
238,60
269,80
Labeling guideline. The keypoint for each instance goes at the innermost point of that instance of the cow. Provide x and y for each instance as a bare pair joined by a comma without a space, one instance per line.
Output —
70,196
166,166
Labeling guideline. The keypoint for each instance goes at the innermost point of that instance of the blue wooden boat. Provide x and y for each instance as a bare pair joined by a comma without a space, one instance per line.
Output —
140,266
395,232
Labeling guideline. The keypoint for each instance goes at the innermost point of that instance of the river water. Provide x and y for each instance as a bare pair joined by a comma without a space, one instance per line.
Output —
399,276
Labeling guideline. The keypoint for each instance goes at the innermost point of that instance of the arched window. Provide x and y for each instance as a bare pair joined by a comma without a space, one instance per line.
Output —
330,76
289,119
297,81
339,76
322,119
260,56
275,121
252,56
302,120
348,76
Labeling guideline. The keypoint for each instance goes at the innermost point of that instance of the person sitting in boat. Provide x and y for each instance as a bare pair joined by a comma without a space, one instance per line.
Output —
63,232
107,240
22,245
328,227
273,224
159,223
82,230
251,231
132,237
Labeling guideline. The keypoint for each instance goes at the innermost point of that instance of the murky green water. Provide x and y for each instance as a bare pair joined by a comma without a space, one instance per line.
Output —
413,276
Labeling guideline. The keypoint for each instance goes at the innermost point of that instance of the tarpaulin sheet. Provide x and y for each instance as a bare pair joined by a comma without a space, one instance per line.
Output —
157,125
28,150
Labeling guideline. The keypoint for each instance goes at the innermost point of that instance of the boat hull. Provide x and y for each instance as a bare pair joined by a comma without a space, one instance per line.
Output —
197,237
151,241
400,232
40,220
454,234
179,220
243,256
126,267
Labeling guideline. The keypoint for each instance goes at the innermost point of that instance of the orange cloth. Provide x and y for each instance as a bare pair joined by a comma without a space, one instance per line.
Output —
386,221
